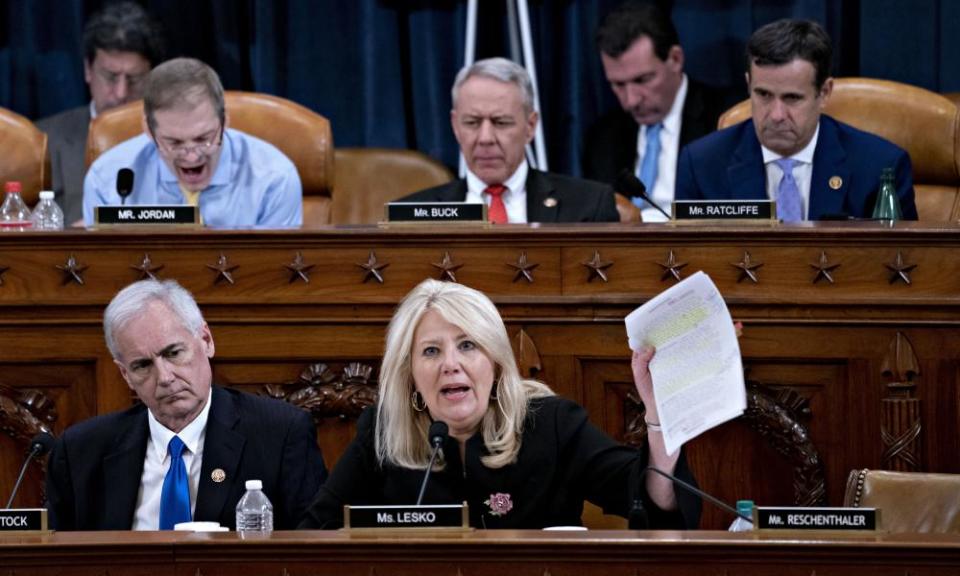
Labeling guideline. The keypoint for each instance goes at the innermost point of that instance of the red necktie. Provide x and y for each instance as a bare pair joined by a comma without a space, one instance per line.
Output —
497,212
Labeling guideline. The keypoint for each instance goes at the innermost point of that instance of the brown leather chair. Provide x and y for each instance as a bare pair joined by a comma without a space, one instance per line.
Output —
300,133
909,501
367,178
24,155
923,123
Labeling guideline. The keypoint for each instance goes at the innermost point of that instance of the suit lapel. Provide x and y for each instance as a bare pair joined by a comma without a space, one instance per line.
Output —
222,449
746,177
455,192
123,469
829,162
539,189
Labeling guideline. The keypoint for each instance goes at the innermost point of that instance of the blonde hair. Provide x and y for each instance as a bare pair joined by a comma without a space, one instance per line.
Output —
401,437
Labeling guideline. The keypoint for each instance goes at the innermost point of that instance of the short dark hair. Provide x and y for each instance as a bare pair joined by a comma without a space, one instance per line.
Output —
181,81
123,27
632,20
784,41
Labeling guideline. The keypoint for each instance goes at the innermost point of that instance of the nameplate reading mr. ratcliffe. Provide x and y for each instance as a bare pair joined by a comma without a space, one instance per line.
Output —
723,210
800,518
436,212
439,516
143,214
23,520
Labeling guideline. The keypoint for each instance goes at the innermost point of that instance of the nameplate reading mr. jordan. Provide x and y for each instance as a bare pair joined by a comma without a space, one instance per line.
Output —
135,215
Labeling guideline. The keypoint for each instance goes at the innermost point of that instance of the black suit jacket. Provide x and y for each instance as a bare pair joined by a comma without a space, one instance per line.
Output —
611,143
93,476
550,198
67,143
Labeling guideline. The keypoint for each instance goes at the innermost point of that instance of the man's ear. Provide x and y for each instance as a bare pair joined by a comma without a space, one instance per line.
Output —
674,59
124,373
226,119
826,91
144,125
206,338
532,120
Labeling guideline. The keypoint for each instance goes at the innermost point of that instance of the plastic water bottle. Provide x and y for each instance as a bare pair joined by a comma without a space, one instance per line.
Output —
14,214
46,214
254,511
744,507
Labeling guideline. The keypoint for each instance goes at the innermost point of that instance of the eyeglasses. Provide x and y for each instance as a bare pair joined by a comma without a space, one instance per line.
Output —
134,82
202,147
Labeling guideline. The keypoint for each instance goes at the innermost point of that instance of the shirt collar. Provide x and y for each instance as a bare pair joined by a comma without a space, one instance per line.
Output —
191,435
93,110
515,184
804,156
671,122
220,177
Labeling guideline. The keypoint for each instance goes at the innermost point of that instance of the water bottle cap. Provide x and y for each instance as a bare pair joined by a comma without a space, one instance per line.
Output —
745,507
46,195
12,186
254,485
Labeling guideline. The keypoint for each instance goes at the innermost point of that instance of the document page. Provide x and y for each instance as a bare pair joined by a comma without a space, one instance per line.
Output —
697,372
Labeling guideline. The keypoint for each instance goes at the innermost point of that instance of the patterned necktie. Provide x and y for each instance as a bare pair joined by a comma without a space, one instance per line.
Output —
651,158
789,206
497,212
175,495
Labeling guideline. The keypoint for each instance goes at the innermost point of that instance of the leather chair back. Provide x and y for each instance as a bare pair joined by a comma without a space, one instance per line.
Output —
300,133
909,501
24,156
367,178
923,123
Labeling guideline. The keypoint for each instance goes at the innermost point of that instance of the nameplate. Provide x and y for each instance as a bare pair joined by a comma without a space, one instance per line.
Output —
724,210
405,517
800,518
165,214
23,519
436,212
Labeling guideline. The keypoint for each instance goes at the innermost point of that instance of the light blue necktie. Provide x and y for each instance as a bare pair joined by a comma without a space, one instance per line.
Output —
648,165
175,496
789,205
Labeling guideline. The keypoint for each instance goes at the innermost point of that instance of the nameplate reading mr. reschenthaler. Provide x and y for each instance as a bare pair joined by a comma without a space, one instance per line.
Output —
800,518
429,516
23,520
436,212
724,210
166,214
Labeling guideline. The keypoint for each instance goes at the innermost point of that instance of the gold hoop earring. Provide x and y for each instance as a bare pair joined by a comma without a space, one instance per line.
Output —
417,401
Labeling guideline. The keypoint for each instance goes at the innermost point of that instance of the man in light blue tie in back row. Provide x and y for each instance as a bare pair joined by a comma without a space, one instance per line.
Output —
185,452
813,166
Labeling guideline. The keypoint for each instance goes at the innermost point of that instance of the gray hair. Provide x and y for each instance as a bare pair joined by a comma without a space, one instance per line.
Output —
498,69
178,82
134,299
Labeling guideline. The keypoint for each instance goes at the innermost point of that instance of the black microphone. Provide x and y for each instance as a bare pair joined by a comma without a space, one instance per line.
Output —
695,491
628,183
39,446
438,435
124,183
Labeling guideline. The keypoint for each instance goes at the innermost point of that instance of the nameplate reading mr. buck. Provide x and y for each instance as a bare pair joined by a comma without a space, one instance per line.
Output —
436,212
166,214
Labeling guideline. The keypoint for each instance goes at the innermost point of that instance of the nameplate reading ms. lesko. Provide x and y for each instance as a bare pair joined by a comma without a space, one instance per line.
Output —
144,214
23,519
436,212
428,516
800,518
723,210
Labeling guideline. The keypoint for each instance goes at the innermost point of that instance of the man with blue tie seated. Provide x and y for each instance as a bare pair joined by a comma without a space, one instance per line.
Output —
185,451
812,165
189,155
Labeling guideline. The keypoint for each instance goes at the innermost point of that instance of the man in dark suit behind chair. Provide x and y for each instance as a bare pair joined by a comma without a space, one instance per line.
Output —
813,166
186,451
493,120
661,109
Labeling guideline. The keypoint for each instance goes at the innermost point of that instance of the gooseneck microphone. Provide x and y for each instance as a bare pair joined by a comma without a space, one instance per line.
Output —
695,491
628,183
438,434
124,184
39,445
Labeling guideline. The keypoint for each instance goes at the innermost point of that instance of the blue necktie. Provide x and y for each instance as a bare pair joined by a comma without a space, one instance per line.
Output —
175,496
789,205
648,166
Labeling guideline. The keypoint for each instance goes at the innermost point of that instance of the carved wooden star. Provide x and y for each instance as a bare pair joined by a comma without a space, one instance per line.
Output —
524,268
748,268
147,269
824,268
223,269
900,270
373,268
447,267
72,271
598,268
2,270
299,269
671,267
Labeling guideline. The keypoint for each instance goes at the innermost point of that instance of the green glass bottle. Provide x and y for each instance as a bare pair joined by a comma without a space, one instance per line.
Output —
887,207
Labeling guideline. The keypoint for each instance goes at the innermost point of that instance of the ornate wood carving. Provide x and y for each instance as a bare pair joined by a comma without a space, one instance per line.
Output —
748,268
901,422
524,268
448,268
329,394
147,268
900,270
372,268
597,267
24,414
3,270
671,268
72,270
528,357
223,268
299,269
824,268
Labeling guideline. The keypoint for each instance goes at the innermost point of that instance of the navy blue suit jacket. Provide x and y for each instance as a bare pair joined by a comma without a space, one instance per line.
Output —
93,476
729,165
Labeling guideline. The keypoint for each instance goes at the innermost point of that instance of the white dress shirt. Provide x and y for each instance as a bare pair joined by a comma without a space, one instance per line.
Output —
514,198
157,461
662,193
802,171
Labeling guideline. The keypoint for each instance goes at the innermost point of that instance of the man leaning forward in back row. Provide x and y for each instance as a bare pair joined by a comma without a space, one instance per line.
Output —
812,165
185,451
189,155
493,120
